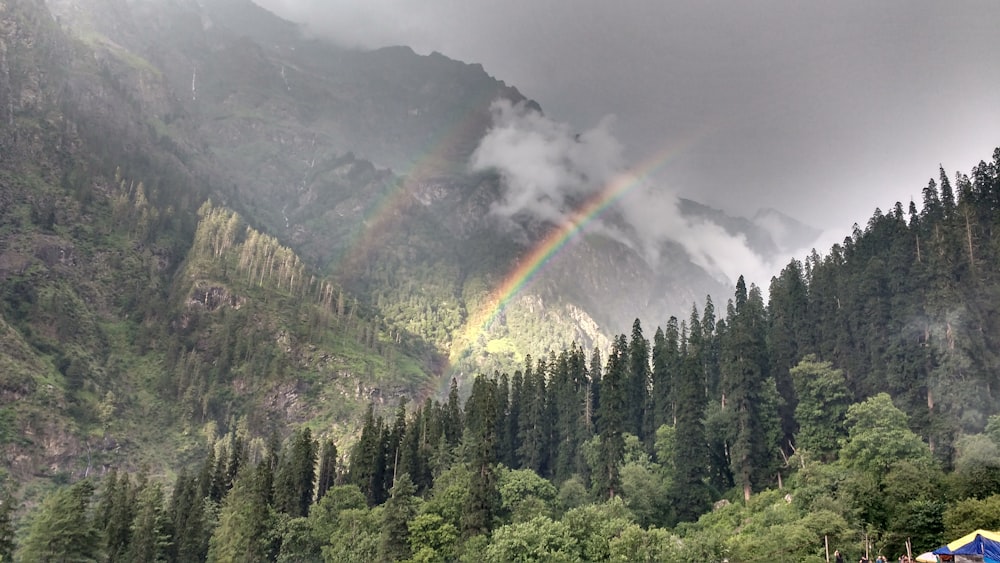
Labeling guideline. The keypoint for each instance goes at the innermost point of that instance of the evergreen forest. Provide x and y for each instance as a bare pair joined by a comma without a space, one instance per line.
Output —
197,365
854,408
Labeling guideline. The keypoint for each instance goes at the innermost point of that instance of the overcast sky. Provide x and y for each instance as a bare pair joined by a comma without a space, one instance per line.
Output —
823,110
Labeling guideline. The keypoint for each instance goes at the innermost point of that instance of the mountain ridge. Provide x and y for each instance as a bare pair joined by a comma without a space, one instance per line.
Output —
127,135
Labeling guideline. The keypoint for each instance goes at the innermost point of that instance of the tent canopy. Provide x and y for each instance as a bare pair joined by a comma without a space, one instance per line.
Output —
980,542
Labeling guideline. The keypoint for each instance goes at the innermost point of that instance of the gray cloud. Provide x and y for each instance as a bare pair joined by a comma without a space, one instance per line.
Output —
822,110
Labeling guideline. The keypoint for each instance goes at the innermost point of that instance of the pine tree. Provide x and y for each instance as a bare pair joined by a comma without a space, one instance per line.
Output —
693,341
639,422
595,374
513,421
220,473
327,469
505,437
150,540
532,431
744,372
787,334
710,353
120,513
666,363
932,202
399,510
688,491
394,445
245,520
105,506
367,468
584,427
63,530
543,378
237,459
453,424
206,481
567,401
482,504
421,440
294,481
947,195
191,532
612,415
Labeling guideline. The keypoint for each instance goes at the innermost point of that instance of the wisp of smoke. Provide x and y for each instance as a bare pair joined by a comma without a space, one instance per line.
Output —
546,167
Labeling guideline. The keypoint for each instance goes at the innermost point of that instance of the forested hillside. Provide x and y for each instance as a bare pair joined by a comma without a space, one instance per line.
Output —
223,336
853,410
136,316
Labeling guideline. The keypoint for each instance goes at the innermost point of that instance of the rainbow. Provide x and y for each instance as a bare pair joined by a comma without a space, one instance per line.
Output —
394,199
529,266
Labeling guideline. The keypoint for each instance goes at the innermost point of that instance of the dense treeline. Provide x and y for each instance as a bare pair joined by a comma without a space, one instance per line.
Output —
908,305
856,405
444,483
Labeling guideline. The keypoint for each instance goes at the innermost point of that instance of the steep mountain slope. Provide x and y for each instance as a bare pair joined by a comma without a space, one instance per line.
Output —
137,320
362,264
284,121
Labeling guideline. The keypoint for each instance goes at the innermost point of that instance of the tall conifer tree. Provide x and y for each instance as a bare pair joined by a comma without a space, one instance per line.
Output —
614,396
688,491
532,431
744,372
245,520
150,539
483,501
568,404
327,469
63,529
453,416
787,334
295,480
400,508
595,374
638,422
513,421
666,363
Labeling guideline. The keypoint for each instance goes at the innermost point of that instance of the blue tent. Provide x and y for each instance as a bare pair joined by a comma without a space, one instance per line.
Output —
983,543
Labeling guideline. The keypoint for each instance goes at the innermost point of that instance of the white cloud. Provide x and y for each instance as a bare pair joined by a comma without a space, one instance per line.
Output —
547,170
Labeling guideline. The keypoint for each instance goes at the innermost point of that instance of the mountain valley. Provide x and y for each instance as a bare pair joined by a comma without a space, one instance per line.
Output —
218,233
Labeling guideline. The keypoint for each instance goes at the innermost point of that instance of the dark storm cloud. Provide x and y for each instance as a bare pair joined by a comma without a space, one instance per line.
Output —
822,110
